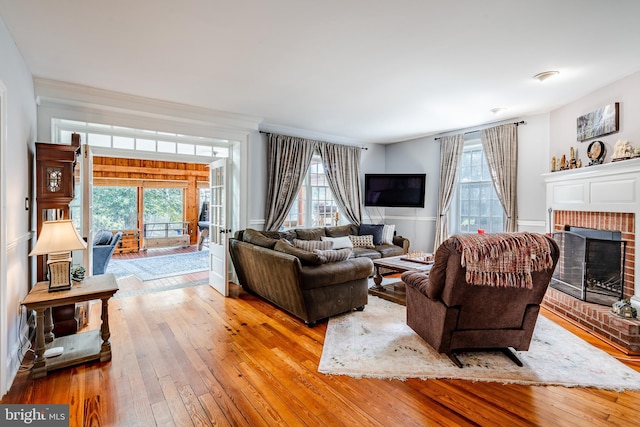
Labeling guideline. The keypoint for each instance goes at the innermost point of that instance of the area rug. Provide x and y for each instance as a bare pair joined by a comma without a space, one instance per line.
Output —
157,267
377,343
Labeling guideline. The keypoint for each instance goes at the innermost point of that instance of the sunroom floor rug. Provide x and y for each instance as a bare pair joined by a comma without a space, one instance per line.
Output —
157,267
377,343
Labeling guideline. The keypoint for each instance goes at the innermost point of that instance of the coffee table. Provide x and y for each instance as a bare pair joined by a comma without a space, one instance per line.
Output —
396,291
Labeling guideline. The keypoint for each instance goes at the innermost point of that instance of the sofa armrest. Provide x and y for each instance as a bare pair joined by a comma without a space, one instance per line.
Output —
402,242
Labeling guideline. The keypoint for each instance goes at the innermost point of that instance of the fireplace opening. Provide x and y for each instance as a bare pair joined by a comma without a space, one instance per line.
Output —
591,264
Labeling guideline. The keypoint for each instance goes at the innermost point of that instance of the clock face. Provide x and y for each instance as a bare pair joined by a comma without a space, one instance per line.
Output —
54,179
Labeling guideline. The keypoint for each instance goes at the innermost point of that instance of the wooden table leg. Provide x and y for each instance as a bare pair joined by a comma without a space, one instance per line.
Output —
105,350
48,325
40,363
377,279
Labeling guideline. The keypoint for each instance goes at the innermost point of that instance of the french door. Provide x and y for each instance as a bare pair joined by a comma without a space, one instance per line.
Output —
218,228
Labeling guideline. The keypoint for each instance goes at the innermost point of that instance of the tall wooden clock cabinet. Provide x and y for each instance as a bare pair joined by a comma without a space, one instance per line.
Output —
55,183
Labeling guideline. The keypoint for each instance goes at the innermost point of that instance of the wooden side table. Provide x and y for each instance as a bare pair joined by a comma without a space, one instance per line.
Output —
78,348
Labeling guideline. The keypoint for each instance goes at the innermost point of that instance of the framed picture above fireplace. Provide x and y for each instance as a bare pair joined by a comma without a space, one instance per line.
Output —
603,121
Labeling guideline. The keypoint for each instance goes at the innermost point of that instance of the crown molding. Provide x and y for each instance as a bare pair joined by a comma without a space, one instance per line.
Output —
57,93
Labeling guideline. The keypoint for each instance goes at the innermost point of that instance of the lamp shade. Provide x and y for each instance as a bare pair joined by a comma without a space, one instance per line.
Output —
58,236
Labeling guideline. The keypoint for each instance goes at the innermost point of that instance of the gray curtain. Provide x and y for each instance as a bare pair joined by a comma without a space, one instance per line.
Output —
450,153
500,145
288,160
342,167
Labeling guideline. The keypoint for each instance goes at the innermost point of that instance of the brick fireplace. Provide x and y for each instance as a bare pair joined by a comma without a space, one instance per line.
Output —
596,318
603,197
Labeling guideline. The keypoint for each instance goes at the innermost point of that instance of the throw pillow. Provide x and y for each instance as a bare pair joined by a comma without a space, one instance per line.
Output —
388,231
374,229
102,237
305,257
333,255
339,242
257,238
309,245
362,241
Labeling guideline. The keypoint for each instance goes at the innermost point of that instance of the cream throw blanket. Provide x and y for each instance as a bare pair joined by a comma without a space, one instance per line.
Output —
503,259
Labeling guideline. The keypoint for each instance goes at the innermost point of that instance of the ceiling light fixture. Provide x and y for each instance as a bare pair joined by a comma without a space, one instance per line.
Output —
545,75
498,110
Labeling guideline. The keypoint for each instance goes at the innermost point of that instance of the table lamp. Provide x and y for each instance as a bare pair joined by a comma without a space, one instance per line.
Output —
56,240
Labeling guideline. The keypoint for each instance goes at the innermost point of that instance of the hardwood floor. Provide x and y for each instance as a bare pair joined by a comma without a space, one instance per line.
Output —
184,355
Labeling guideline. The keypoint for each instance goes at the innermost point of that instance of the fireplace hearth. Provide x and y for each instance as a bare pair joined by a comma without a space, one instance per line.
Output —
591,264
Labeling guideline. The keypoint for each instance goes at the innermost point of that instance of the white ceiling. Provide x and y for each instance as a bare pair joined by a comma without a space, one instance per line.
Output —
363,70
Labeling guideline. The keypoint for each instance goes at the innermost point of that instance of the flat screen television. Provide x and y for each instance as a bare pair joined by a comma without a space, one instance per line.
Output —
399,190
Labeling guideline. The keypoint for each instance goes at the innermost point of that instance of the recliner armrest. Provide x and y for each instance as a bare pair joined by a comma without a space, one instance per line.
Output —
420,281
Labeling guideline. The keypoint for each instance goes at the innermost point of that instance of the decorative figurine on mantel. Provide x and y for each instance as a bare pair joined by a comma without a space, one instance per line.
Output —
563,162
622,150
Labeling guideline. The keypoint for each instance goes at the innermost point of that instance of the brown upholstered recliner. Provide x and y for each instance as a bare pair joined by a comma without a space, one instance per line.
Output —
453,315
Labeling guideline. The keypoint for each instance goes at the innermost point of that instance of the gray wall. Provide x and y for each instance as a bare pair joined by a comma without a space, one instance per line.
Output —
423,155
416,156
17,172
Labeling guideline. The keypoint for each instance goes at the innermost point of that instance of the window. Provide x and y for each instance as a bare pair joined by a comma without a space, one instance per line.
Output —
315,205
476,204
129,139
115,208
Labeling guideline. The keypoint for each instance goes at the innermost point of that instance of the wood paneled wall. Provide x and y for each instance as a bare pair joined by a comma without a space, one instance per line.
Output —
112,171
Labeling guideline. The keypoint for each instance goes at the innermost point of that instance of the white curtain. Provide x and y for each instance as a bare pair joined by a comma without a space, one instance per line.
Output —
500,146
450,153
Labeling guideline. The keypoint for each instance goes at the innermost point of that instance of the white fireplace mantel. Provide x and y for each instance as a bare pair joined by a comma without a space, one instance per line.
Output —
610,187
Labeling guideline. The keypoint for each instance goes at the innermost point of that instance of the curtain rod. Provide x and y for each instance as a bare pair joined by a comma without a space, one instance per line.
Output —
521,122
265,132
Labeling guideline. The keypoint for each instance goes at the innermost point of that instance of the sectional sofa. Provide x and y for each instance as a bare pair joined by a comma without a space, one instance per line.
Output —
311,284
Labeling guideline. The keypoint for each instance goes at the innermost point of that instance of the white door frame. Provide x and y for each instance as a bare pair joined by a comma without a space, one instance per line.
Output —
86,190
4,375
